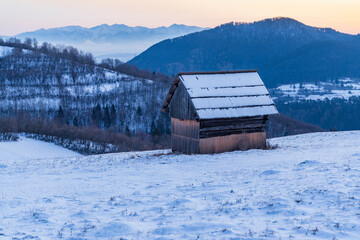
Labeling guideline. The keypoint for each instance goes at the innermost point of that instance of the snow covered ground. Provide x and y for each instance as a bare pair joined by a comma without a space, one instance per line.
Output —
4,51
29,149
307,188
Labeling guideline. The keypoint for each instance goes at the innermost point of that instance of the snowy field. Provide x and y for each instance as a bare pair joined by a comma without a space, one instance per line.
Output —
307,188
29,149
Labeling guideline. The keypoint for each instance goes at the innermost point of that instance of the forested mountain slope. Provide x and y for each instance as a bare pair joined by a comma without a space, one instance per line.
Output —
284,50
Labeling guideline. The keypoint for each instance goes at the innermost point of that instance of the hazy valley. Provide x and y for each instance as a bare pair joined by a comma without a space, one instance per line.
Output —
109,41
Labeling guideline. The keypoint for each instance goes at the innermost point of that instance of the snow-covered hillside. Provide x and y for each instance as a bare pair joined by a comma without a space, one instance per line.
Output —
307,188
4,51
26,149
39,85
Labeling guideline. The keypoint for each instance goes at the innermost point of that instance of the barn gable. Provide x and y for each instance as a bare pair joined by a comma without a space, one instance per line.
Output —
219,95
181,106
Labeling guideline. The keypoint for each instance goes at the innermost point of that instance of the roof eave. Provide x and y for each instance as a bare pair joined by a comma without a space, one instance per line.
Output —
170,93
177,80
222,118
217,72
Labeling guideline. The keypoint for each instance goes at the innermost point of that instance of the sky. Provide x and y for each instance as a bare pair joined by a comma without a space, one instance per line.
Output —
19,16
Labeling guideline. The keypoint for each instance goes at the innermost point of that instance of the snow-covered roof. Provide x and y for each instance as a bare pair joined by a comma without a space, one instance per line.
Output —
226,94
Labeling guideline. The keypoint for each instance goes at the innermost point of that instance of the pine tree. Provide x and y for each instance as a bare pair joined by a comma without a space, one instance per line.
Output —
154,131
60,114
127,130
139,111
75,122
107,117
113,114
96,115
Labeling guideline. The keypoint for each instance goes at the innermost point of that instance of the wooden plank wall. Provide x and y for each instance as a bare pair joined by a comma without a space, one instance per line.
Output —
233,142
224,127
217,136
187,128
185,136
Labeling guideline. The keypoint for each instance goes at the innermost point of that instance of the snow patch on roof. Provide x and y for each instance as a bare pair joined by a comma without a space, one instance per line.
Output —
226,102
221,80
228,92
236,112
228,95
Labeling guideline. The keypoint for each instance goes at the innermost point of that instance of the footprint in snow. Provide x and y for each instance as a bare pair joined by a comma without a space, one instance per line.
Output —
269,172
308,163
112,230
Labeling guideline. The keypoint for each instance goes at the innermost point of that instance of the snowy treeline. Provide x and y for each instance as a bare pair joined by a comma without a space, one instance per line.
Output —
8,137
338,88
331,104
85,147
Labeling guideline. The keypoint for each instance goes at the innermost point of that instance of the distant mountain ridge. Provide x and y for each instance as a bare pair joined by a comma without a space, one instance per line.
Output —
108,33
113,40
283,49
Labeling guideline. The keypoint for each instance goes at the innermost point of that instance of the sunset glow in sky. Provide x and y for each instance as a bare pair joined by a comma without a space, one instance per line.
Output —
27,15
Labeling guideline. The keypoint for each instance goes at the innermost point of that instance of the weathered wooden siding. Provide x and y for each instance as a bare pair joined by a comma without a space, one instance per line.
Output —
184,144
233,142
185,136
215,136
224,127
186,128
181,106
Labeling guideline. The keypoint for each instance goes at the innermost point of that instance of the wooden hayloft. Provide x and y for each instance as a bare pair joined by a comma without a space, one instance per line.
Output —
213,112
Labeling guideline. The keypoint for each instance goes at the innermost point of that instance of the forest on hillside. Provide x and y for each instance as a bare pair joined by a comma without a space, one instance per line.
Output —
59,91
283,50
48,82
66,89
334,114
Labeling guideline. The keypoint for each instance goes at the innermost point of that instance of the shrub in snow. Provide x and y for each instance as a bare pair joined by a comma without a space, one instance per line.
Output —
8,137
